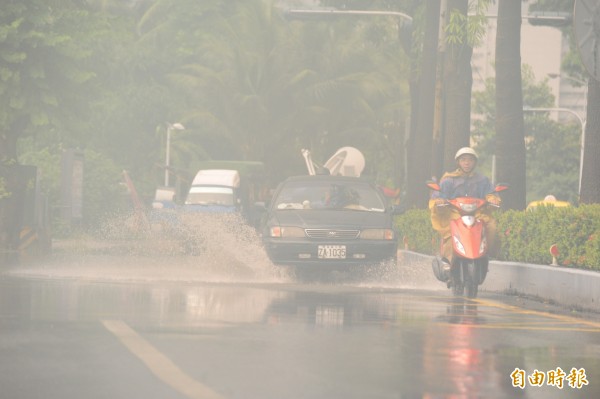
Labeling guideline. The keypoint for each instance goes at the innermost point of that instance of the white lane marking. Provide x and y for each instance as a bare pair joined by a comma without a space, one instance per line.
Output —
158,363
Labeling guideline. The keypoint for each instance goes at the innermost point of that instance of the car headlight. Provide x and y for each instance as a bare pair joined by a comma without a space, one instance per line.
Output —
286,232
377,234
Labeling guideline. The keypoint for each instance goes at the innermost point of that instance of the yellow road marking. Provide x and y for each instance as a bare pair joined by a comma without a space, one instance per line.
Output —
516,309
522,327
558,320
158,363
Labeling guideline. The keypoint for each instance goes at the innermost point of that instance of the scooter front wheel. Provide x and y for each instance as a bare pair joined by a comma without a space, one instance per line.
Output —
472,279
457,279
458,289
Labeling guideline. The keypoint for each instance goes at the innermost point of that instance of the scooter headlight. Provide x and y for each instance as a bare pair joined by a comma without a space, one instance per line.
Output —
468,220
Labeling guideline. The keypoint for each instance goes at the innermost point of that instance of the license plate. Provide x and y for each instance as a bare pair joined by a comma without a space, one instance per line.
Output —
332,252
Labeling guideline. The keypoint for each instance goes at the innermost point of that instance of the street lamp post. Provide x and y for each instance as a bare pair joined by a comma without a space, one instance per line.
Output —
170,127
555,75
405,20
581,122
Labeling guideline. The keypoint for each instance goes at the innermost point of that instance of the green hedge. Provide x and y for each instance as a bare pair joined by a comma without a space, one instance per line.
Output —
525,236
415,231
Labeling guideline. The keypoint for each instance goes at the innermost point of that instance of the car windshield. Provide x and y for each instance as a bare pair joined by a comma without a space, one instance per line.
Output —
311,195
205,195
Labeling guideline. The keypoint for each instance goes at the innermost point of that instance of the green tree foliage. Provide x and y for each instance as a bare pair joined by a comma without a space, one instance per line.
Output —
572,66
553,149
104,196
44,68
553,153
44,76
108,76
259,82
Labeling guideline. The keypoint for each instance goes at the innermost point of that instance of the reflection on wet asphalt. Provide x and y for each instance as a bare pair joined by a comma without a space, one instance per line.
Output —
149,323
277,339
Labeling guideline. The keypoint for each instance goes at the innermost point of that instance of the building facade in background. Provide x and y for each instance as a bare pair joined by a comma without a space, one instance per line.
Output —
542,48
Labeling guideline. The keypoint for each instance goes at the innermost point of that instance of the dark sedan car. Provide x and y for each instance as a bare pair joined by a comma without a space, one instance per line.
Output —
329,220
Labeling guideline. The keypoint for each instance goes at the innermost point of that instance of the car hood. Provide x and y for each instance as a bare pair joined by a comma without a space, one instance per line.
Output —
334,219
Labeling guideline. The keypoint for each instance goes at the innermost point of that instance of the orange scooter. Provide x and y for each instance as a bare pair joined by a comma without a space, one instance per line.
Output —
469,244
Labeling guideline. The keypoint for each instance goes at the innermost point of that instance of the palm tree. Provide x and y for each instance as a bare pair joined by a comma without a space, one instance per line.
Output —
590,179
462,33
510,136
268,87
420,141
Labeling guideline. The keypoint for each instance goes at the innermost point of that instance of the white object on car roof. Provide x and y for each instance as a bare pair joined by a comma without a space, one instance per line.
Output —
347,161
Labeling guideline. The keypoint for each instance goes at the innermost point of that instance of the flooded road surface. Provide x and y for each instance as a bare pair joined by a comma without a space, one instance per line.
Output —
127,320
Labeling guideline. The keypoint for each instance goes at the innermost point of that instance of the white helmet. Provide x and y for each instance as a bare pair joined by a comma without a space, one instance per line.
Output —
465,150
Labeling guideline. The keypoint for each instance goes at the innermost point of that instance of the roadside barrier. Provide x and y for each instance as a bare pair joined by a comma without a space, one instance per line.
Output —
572,288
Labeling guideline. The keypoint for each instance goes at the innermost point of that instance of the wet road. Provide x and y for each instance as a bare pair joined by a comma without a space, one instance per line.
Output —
112,327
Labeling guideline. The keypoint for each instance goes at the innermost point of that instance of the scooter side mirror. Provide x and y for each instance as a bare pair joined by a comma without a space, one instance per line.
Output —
501,187
433,185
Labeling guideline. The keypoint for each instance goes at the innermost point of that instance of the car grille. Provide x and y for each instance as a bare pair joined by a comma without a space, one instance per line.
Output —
326,234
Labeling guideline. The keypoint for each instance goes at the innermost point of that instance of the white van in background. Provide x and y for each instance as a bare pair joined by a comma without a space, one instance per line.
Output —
215,191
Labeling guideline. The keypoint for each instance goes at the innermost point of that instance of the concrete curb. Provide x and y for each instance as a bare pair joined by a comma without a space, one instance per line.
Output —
573,288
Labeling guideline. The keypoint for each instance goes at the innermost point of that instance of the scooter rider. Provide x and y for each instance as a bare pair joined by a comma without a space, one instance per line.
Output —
462,182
